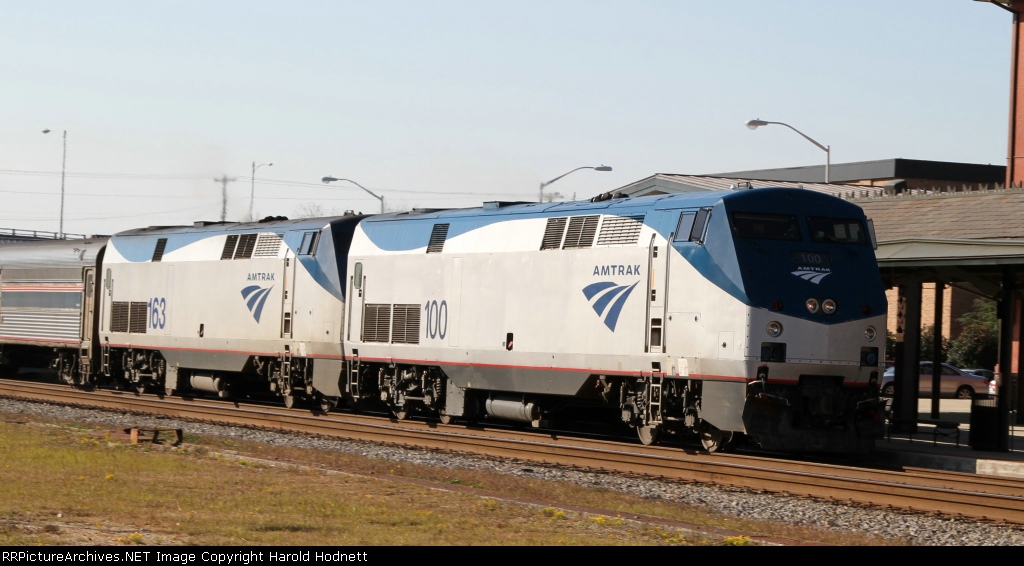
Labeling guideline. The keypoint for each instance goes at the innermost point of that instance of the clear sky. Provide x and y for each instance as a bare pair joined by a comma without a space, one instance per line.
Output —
449,103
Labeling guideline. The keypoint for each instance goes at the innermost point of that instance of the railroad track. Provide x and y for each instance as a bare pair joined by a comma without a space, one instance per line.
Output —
929,491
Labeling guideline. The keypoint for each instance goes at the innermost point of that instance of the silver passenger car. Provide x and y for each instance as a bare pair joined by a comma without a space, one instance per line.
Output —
954,383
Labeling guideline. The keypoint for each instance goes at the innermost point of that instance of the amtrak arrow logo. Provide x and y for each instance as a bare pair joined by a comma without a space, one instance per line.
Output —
812,276
607,299
255,297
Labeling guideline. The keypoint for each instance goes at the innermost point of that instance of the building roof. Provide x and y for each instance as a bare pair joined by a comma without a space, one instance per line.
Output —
882,169
667,183
973,215
967,236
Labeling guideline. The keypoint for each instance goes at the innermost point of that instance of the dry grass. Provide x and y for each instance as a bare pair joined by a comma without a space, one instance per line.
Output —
65,484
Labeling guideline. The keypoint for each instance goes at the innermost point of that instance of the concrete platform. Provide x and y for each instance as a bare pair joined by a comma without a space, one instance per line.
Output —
924,449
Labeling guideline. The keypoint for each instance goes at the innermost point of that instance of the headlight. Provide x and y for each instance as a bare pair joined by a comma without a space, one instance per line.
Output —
828,307
869,333
774,329
812,305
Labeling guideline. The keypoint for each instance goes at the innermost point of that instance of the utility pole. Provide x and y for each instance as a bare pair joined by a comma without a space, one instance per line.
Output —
224,180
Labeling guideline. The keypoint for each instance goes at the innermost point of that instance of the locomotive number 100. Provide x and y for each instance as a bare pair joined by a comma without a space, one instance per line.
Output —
437,319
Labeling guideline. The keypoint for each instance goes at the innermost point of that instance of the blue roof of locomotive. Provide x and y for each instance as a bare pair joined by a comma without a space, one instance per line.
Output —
206,228
619,206
411,230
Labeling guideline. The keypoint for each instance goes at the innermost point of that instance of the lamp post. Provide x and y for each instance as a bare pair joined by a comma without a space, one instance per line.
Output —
63,163
754,124
542,185
380,198
252,188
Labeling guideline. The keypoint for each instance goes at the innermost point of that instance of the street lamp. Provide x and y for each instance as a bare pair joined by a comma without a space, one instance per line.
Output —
380,198
542,185
63,163
252,189
754,124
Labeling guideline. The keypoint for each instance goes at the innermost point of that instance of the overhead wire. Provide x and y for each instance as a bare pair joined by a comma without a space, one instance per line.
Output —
263,181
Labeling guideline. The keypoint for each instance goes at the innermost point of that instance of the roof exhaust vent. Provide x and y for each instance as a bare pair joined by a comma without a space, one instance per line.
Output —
895,187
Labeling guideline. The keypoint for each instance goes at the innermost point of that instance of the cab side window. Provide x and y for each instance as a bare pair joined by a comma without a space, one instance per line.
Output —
309,241
691,225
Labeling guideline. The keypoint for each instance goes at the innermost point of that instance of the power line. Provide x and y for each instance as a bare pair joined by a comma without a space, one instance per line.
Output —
224,180
268,182
149,176
116,216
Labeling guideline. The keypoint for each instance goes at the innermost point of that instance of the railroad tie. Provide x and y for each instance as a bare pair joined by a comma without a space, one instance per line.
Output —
152,434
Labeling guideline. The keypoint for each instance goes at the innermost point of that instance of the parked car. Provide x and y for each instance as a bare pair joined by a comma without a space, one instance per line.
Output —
986,373
993,377
953,382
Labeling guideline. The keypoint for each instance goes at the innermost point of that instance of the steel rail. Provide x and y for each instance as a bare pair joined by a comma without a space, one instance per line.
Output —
929,491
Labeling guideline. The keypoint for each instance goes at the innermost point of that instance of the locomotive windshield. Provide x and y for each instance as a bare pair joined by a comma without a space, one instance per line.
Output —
765,226
839,230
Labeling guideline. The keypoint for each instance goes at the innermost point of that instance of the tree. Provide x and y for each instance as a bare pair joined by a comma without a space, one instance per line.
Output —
977,346
928,344
311,210
984,313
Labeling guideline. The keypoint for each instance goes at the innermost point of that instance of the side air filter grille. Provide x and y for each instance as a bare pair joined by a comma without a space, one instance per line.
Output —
138,316
158,252
229,247
376,322
119,316
406,325
437,238
620,231
581,232
246,244
267,245
553,234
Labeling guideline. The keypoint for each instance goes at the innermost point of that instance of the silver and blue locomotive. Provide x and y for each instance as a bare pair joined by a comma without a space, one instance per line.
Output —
751,315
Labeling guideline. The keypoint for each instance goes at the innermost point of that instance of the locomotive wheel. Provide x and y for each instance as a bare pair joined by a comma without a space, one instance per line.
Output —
289,401
446,419
66,371
401,413
648,434
713,439
327,404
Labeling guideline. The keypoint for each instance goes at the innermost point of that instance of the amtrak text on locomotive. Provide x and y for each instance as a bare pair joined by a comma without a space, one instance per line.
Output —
608,270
